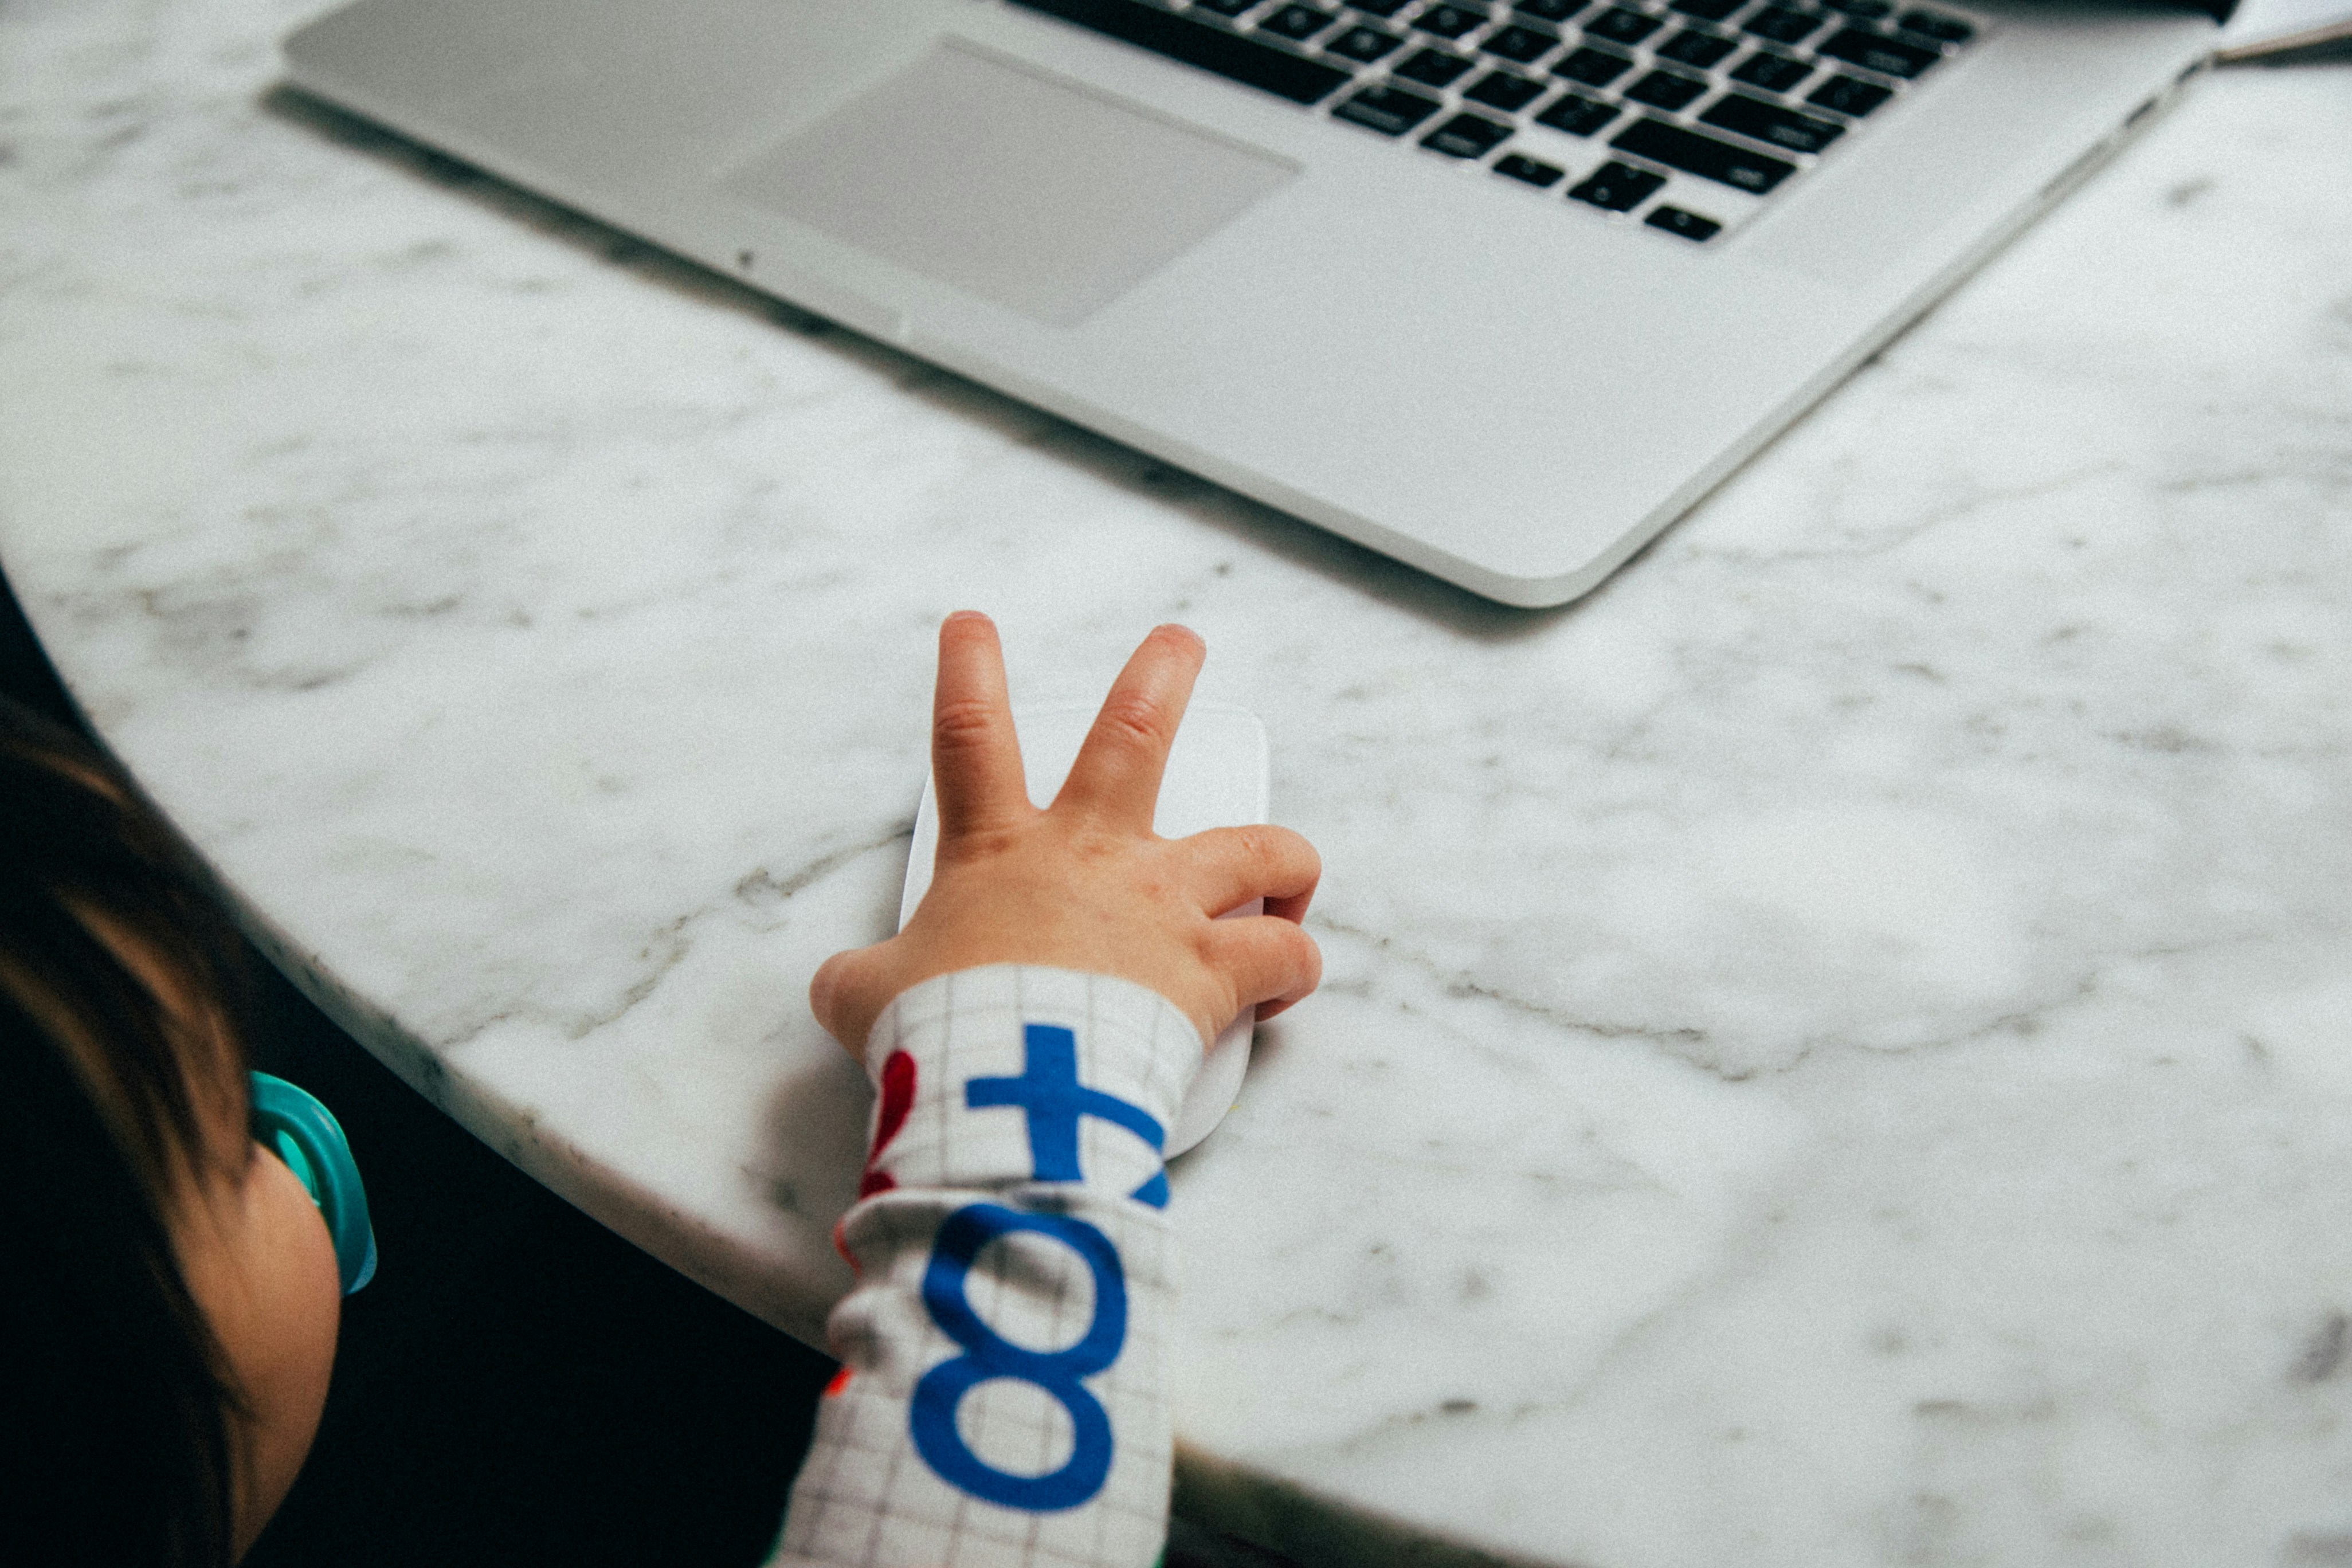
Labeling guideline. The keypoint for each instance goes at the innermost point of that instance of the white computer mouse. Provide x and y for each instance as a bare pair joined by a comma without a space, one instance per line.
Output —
1217,777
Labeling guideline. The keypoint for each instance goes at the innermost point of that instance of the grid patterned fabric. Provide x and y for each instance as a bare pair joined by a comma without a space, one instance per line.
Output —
1002,1399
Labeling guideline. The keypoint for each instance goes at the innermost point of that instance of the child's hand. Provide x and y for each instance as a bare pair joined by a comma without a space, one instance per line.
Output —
1085,885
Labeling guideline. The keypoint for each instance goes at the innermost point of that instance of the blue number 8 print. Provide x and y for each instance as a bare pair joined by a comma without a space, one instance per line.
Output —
989,1356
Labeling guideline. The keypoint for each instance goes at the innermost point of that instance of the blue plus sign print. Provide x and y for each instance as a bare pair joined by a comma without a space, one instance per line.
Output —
1048,1089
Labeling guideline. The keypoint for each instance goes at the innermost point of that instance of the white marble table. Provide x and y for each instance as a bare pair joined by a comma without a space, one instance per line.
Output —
1837,1050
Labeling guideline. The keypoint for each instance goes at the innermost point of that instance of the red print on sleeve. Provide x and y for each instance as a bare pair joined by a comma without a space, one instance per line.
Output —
897,1098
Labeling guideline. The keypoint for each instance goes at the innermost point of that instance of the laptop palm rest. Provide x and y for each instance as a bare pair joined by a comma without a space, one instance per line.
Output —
986,174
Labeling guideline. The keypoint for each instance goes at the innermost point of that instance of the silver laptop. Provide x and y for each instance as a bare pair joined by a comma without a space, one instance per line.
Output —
1497,289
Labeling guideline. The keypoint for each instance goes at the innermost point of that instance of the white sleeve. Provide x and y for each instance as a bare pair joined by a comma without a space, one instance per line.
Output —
1001,1395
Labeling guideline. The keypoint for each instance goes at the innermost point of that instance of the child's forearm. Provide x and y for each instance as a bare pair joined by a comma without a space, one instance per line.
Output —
1001,1398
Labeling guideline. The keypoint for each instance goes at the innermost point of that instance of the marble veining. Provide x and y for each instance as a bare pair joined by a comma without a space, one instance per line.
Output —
1838,1050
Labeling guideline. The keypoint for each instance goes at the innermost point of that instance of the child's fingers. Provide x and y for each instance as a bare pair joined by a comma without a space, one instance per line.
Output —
1225,868
975,756
1291,907
837,996
1116,776
1269,960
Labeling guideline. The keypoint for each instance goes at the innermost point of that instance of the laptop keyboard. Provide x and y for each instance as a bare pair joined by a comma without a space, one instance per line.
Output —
1684,116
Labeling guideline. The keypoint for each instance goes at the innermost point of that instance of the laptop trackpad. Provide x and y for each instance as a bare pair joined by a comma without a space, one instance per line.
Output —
984,174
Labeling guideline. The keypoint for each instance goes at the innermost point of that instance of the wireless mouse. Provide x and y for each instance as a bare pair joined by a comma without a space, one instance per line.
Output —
1217,777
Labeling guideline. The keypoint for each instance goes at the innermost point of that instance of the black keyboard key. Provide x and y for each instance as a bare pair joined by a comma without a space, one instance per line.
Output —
1503,90
1541,175
1383,9
1937,25
1860,10
1773,73
1223,7
1203,44
1846,95
1450,21
1618,187
1781,25
1707,10
1702,155
1432,68
1550,10
1695,48
1690,225
1467,136
1770,123
1576,114
1362,43
1668,90
1524,46
1390,111
1594,67
1296,23
1887,57
1619,26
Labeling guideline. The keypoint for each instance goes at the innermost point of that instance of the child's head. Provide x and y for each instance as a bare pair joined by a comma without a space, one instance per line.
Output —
167,1323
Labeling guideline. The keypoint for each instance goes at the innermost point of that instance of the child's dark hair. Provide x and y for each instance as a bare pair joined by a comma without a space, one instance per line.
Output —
122,997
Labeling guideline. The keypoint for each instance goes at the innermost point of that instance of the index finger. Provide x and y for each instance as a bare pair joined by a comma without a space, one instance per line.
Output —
1116,776
975,755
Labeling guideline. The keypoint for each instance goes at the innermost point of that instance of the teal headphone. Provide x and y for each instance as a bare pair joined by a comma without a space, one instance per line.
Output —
293,1125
